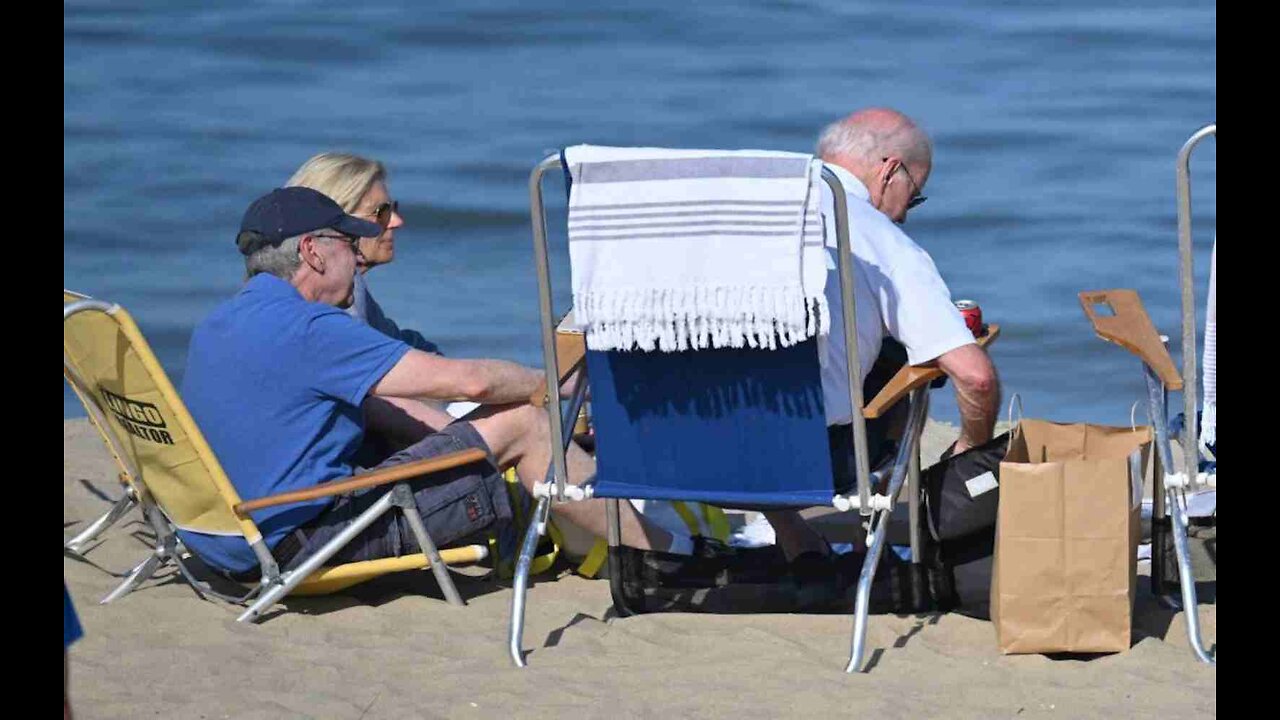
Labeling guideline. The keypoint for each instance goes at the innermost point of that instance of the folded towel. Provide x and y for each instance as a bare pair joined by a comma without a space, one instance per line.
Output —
680,249
1209,407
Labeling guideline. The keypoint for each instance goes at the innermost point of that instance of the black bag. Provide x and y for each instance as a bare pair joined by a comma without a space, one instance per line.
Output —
961,496
761,581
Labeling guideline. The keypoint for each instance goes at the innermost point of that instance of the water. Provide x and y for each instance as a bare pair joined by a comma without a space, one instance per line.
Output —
1055,131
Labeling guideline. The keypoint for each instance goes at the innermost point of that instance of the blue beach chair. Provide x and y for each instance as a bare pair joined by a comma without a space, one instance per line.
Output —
732,427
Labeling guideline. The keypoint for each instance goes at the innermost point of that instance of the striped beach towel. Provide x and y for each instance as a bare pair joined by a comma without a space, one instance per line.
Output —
690,249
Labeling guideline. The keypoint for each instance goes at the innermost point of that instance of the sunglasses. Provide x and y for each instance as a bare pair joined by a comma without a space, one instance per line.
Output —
916,197
382,214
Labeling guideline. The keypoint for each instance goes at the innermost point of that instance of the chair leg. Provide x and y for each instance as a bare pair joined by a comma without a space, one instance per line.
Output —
402,496
275,586
268,598
537,522
617,569
919,575
1175,508
862,603
1186,577
117,511
144,570
1161,534
166,542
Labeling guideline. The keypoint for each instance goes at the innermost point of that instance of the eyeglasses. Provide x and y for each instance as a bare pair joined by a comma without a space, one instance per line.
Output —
916,197
382,214
351,240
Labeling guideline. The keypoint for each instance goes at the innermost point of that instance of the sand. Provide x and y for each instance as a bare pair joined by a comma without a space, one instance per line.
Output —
393,649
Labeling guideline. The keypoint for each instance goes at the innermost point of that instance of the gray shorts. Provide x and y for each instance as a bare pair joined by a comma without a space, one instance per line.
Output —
457,506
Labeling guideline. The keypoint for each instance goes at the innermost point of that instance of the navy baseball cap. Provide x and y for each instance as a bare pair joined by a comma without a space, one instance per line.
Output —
287,212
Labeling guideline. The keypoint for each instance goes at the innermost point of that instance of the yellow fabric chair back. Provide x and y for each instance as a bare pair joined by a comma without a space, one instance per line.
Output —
107,361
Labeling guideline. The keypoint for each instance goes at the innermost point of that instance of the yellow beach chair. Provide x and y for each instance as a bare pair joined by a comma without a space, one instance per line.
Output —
80,544
177,481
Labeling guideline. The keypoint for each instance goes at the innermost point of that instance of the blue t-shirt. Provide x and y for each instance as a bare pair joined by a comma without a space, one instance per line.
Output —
275,383
71,631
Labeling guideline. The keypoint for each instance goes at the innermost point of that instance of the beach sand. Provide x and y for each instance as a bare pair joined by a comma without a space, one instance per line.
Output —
393,649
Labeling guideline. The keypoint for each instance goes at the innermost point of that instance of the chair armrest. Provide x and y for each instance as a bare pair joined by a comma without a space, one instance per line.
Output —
367,480
910,377
1130,327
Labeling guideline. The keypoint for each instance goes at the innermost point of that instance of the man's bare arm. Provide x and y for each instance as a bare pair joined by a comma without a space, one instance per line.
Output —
977,393
420,374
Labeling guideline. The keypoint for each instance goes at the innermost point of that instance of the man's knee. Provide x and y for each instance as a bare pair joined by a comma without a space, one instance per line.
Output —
530,422
512,430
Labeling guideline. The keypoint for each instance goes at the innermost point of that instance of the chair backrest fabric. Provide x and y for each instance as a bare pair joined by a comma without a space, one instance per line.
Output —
110,363
730,426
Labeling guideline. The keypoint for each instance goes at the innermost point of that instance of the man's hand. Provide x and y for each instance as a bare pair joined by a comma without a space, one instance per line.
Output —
977,393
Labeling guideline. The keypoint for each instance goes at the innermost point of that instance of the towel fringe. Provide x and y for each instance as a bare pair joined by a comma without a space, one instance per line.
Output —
699,318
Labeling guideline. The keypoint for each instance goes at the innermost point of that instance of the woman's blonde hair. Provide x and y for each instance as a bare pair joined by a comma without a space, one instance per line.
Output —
342,176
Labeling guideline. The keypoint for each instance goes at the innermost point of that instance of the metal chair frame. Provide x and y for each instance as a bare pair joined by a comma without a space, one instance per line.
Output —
904,471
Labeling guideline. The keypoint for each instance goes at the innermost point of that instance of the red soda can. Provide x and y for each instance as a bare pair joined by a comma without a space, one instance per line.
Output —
972,316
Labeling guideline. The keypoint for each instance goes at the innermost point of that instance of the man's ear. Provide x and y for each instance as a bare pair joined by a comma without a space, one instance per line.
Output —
880,183
888,167
307,252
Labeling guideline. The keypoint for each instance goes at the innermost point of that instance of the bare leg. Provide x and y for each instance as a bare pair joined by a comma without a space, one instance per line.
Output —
590,515
518,435
794,535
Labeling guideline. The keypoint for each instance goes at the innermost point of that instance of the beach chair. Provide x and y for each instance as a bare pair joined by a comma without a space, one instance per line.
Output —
1118,316
727,426
179,483
79,544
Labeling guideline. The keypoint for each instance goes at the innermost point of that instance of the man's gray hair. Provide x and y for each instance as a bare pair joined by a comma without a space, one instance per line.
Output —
868,143
280,260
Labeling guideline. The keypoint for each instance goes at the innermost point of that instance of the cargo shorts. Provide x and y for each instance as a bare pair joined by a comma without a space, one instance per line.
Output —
458,506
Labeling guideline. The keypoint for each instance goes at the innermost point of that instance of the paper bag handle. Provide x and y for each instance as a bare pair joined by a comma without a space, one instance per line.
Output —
1009,415
1133,413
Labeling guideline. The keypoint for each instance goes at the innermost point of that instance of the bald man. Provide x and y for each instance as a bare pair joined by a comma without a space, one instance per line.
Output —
883,159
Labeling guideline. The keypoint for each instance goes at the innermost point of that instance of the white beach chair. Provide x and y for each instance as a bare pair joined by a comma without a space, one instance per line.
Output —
1128,325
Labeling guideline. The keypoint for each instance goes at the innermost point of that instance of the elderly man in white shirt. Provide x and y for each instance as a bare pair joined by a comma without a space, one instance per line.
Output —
883,160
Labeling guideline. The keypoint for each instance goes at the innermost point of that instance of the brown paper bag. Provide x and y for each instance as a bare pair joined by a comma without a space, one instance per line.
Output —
1067,536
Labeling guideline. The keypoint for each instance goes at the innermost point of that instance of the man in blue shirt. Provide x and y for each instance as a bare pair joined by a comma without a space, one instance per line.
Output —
285,384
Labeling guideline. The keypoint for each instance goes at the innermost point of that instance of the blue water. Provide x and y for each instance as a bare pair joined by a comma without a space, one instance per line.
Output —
1055,128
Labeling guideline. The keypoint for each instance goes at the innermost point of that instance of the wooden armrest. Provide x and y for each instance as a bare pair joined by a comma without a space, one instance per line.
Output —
571,351
359,482
1130,327
910,377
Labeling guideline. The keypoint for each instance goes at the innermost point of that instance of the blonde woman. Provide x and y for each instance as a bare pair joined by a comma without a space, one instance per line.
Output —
359,185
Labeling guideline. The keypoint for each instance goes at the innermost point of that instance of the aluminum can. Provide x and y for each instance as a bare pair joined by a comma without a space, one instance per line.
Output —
582,426
972,316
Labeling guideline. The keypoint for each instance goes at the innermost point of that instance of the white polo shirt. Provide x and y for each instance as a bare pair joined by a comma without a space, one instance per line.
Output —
897,292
